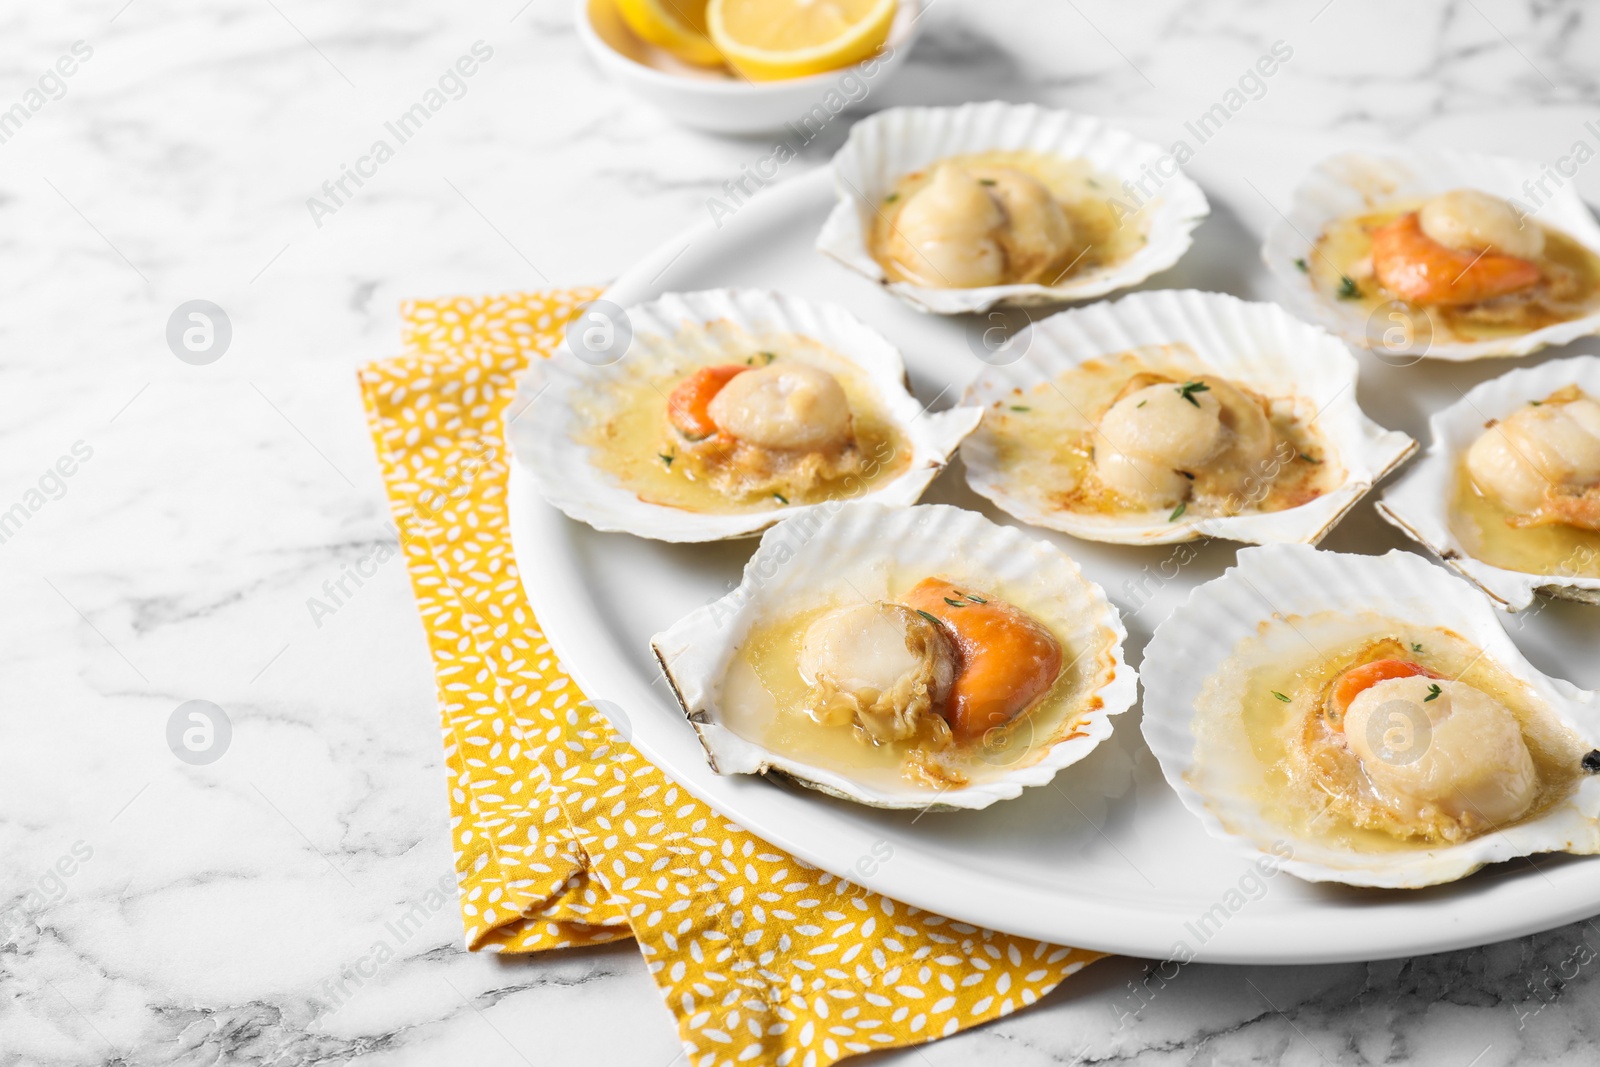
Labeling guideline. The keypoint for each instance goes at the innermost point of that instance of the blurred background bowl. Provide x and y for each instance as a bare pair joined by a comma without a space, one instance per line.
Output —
720,101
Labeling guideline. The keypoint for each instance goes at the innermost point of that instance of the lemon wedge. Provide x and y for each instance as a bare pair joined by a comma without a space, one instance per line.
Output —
770,39
679,26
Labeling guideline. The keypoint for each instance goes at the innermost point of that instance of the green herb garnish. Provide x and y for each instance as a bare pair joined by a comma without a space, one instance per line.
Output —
780,498
954,603
975,599
931,618
1187,475
1348,289
1417,648
766,358
985,181
1178,511
667,458
1433,693
1537,403
1308,459
1188,389
891,198
1301,263
1020,407
1280,696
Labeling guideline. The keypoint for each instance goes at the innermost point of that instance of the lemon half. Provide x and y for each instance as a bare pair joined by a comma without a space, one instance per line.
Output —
679,26
766,40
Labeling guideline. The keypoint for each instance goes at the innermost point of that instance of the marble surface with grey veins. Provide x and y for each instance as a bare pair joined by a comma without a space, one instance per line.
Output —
177,518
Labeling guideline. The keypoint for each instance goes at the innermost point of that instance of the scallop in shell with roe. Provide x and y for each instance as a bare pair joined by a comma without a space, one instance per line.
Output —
902,658
727,411
1508,492
1367,720
1439,255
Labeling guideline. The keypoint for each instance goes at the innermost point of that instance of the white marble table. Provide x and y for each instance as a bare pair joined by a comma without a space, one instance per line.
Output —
209,909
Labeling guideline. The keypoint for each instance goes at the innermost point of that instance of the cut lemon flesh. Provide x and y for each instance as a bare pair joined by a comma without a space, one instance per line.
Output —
770,39
679,26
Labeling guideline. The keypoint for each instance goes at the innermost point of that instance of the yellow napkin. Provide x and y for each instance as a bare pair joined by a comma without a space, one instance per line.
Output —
564,835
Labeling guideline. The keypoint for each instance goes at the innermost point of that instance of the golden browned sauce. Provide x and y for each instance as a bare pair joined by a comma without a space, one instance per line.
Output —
1479,522
1044,439
627,431
1572,289
1104,234
1245,729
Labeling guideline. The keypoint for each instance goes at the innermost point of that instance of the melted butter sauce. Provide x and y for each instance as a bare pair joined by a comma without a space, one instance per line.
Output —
763,699
1244,730
1479,522
629,438
1103,235
1345,246
1044,438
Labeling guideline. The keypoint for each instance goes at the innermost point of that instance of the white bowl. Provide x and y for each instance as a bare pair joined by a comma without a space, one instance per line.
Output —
717,100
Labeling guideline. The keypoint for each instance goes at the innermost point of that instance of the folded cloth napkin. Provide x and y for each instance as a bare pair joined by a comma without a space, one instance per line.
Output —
563,834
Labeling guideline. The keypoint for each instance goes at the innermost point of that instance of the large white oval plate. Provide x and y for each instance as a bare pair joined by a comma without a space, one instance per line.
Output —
1106,857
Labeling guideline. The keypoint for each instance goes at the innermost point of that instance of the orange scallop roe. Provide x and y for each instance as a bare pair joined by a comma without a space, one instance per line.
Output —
688,408
1415,267
1006,659
1357,680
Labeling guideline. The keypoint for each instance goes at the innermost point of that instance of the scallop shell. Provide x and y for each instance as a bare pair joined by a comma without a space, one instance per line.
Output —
1354,182
1273,586
1257,345
897,141
544,434
805,561
1420,502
